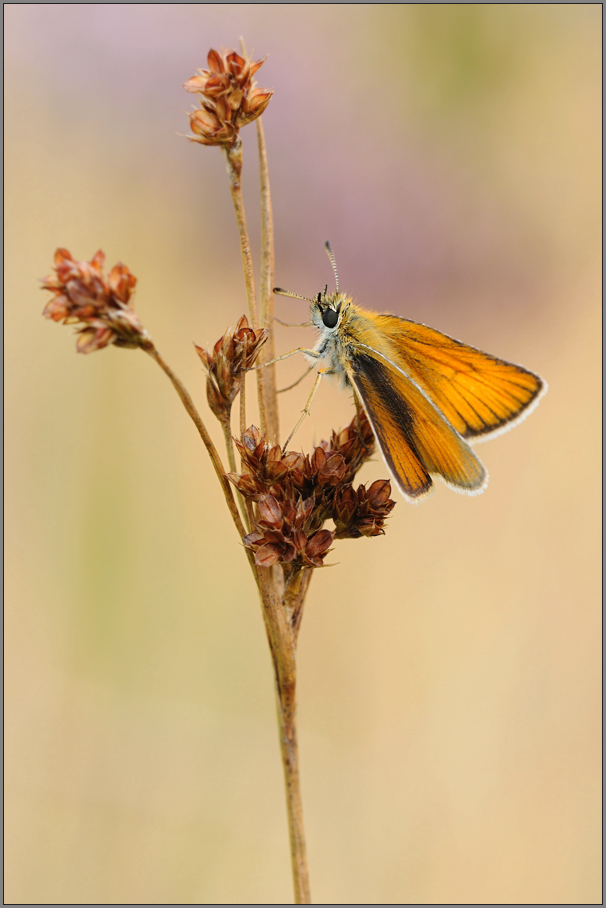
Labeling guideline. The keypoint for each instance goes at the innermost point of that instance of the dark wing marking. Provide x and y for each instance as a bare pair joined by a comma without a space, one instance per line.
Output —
413,436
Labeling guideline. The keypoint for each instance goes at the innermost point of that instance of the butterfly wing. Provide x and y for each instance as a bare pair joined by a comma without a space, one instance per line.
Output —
478,394
413,436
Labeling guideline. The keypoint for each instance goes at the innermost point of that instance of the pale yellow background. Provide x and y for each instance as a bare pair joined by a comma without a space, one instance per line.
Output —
450,671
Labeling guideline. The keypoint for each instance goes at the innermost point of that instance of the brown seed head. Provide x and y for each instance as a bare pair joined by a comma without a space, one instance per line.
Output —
280,535
100,303
362,511
229,98
355,443
296,493
233,353
264,465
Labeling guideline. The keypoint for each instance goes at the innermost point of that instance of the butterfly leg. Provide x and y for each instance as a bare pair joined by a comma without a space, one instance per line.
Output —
300,379
305,410
304,350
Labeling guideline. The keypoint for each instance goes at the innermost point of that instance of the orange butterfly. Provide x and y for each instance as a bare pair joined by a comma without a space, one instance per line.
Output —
426,395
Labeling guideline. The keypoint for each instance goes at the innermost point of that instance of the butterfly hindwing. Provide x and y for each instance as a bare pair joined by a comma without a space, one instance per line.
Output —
414,438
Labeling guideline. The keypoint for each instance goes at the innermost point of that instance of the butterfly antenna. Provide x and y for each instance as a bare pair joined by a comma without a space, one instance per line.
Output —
294,296
331,256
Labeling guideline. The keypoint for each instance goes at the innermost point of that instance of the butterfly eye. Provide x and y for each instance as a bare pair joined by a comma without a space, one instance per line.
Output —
330,318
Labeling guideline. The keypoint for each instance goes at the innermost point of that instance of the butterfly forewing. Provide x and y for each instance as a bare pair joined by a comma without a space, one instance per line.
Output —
477,393
414,437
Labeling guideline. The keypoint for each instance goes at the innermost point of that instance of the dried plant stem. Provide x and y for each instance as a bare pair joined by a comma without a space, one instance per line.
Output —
295,599
278,612
282,606
231,459
294,806
266,289
282,646
243,406
208,444
229,445
233,157
250,514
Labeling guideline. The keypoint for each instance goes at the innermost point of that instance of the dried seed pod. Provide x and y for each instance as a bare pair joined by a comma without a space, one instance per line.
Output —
233,353
279,535
296,493
229,98
99,303
362,511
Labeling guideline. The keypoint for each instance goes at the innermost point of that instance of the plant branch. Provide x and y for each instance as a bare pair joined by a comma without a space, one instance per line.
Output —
246,502
208,443
233,157
229,444
243,406
231,458
290,761
282,647
278,614
266,289
294,599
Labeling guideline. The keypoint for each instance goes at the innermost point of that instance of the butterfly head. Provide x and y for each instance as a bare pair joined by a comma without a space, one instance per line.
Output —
327,309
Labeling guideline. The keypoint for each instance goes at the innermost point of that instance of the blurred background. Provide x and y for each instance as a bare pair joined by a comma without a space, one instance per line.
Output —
449,691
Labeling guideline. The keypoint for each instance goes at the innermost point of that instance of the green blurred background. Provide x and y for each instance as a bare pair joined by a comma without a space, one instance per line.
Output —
450,671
